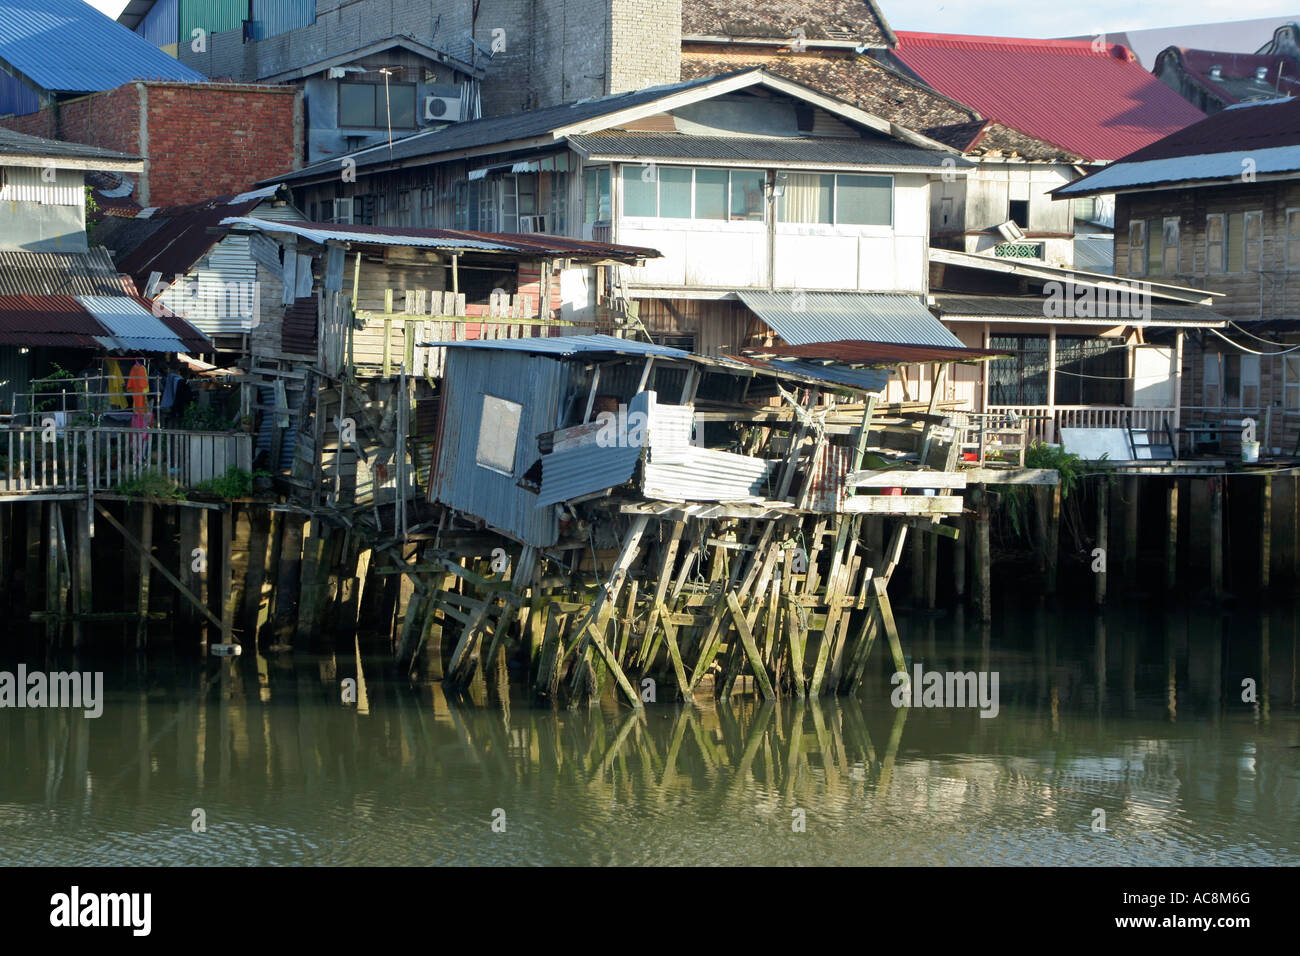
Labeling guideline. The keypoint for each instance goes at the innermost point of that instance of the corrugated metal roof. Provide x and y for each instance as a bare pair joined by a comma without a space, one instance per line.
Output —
68,46
803,317
881,355
57,321
1095,255
819,151
541,246
585,470
566,345
1098,104
58,273
20,144
1035,307
132,327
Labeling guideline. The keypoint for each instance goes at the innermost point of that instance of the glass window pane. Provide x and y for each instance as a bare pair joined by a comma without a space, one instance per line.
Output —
807,198
864,200
710,194
596,194
674,193
402,103
1234,230
356,104
1156,255
747,195
497,435
1171,246
640,191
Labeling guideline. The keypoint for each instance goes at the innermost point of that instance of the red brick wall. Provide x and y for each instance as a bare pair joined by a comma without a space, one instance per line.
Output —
208,140
203,140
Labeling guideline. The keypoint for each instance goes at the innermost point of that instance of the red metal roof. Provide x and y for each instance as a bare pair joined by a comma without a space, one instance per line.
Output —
1237,81
1100,103
855,352
57,321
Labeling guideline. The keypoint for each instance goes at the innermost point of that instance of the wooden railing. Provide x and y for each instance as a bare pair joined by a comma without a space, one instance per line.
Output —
47,460
1044,423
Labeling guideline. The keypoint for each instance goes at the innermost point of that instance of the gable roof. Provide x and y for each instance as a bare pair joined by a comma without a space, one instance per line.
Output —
1262,137
67,46
989,136
1236,82
804,151
1097,103
552,125
866,83
15,146
857,21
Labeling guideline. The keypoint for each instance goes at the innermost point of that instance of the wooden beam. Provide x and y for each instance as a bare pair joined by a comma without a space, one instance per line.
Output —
905,479
903,504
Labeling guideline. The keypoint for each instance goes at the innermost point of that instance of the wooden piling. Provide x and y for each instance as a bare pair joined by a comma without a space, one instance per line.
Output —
142,601
983,557
288,579
1171,536
1100,557
84,592
959,547
194,556
1132,498
1215,488
1266,533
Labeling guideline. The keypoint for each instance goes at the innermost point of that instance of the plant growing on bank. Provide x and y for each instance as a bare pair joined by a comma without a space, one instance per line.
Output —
1018,498
235,483
151,484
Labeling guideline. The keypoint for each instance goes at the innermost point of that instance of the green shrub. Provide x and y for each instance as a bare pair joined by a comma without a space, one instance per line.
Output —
235,483
151,484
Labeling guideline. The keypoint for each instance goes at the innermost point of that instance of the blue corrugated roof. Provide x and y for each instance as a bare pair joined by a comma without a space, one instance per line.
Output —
134,328
803,318
67,46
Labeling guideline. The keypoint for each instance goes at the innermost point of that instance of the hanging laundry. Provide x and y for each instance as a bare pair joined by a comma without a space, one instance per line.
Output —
137,383
116,384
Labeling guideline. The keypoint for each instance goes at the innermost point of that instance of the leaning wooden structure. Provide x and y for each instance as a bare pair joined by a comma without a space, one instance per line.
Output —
620,514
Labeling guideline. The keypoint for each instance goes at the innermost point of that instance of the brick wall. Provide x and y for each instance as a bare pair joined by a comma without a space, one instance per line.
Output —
200,140
207,140
645,44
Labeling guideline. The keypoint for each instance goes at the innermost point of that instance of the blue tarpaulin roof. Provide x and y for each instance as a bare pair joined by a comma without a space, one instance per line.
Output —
67,46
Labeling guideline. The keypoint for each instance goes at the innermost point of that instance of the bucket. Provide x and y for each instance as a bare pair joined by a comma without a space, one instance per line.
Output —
1250,451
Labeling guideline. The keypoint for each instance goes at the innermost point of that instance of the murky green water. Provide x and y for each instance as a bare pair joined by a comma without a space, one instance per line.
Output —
1139,716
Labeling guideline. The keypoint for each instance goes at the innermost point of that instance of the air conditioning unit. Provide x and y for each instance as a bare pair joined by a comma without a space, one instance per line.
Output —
442,109
532,223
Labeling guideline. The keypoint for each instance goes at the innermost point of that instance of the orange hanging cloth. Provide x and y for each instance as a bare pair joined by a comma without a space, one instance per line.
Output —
137,383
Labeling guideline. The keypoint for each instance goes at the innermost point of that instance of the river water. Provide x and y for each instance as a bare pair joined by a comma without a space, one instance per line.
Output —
1121,739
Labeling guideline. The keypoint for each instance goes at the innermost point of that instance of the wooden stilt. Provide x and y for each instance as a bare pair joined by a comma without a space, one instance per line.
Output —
1215,487
1103,536
84,593
1266,533
959,561
1053,535
1132,496
1171,536
146,555
983,557
226,594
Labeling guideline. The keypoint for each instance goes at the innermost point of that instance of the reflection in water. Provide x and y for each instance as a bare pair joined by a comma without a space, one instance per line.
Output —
1140,716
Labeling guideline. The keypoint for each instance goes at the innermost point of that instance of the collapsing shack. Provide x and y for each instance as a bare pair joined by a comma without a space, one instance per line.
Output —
617,510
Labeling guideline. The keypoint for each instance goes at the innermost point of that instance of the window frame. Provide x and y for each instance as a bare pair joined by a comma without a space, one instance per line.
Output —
835,202
1137,251
376,113
515,410
1221,244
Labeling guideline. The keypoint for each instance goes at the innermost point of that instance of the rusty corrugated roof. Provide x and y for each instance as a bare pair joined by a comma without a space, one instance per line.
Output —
57,321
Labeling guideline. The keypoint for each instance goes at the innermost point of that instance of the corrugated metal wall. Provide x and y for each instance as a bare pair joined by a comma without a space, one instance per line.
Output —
274,17
161,24
202,296
214,16
24,184
15,375
17,97
538,385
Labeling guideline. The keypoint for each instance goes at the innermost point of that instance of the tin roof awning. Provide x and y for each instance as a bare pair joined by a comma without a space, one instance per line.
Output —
801,318
1101,310
858,355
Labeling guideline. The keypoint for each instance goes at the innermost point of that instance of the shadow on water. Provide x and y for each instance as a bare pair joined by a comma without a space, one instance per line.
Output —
1138,714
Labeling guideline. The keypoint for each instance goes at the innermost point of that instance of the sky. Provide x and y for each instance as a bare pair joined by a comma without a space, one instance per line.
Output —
1034,18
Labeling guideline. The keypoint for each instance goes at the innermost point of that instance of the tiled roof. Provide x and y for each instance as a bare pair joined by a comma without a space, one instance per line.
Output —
67,46
1236,82
858,20
985,137
1099,104
859,80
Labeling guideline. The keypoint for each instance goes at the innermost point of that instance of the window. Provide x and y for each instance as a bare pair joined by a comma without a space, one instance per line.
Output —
1293,239
683,192
498,435
1018,212
1214,246
866,200
557,208
426,206
1170,245
1137,247
1254,239
807,198
1250,381
1019,378
1210,389
1233,243
1291,382
367,105
404,208
1090,371
596,194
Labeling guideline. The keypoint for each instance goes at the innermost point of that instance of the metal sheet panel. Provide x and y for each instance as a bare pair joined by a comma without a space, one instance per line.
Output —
28,184
69,46
567,345
161,25
132,326
273,17
58,273
706,475
539,385
801,318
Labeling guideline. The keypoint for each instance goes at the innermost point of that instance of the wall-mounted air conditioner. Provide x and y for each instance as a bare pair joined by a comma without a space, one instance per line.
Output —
532,223
442,109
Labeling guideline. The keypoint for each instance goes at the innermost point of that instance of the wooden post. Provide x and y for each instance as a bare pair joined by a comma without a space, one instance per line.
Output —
918,570
193,538
1171,538
227,599
146,551
1103,538
1053,533
959,561
1132,494
287,580
32,558
52,585
931,570
84,593
1266,534
983,571
1215,487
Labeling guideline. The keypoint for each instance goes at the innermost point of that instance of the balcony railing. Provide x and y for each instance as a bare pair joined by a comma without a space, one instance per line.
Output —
1045,422
47,459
